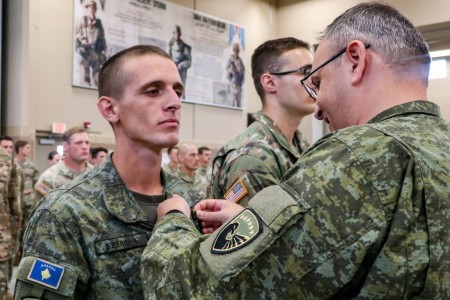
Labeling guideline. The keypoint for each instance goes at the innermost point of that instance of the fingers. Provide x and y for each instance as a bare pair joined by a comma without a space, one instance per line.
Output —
210,205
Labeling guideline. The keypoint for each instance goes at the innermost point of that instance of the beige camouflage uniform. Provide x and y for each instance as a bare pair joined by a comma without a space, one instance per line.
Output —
54,177
96,231
10,216
259,157
363,214
30,176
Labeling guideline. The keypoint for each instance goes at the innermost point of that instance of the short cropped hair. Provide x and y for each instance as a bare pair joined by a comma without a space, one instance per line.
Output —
393,37
112,78
5,138
52,154
96,151
170,149
267,58
71,131
20,144
202,149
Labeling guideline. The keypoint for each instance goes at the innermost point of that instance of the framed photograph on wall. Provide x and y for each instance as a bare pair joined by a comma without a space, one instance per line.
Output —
209,52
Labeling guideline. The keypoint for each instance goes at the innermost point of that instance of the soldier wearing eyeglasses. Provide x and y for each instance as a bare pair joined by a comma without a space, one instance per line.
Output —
262,154
363,214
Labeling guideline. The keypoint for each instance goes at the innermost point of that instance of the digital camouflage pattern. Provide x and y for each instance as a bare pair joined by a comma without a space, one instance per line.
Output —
10,216
197,182
95,229
259,156
169,169
56,176
30,176
363,214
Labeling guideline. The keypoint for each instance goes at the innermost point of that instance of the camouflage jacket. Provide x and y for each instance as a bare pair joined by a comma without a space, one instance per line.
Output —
30,176
363,214
196,182
6,244
256,158
169,169
56,176
85,240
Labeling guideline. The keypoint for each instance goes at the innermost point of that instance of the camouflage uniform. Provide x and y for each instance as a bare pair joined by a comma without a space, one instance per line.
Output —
169,170
10,216
55,177
205,174
29,179
258,157
96,231
196,182
363,214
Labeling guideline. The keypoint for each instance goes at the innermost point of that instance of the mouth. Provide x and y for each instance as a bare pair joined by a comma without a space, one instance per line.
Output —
171,121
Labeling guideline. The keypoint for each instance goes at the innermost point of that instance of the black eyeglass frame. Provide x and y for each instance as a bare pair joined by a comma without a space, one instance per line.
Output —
310,90
301,70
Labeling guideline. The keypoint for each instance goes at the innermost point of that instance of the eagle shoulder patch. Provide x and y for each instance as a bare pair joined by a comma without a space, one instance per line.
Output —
239,232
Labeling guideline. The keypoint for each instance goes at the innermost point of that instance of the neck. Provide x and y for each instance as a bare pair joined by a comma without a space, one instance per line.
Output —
186,171
139,169
21,158
74,166
287,123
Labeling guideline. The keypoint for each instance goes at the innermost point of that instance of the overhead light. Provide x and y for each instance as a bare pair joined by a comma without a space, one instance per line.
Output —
441,53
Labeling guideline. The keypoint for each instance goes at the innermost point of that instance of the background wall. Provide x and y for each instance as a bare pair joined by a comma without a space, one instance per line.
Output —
38,62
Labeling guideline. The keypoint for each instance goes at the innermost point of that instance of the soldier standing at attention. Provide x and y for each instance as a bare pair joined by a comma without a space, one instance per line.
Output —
363,214
172,166
262,154
10,217
30,176
85,241
188,167
76,155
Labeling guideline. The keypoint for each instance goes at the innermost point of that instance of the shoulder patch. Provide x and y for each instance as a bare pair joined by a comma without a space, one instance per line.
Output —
42,188
239,232
236,192
46,273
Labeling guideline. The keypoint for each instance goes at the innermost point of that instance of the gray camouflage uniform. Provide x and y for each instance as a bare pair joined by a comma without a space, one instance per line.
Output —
363,214
259,156
197,182
95,229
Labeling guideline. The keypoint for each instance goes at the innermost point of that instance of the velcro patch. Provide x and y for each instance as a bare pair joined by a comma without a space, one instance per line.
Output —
46,273
239,232
42,188
236,192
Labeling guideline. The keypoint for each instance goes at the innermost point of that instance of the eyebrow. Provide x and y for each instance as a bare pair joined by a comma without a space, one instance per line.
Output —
160,84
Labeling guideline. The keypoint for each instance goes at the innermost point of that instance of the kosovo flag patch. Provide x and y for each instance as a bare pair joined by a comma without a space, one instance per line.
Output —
46,273
239,232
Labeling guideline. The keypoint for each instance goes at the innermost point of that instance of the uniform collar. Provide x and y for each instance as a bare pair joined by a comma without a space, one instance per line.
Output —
413,107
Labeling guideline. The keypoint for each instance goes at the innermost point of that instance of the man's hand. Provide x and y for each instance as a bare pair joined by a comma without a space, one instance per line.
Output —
176,202
214,212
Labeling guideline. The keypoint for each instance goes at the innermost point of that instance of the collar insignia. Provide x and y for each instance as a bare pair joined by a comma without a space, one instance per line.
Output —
239,232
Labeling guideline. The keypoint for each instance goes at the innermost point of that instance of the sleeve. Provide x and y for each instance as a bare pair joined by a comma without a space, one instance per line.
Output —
53,265
253,173
307,238
14,197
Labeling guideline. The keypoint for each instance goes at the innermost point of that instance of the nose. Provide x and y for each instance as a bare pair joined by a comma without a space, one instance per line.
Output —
174,101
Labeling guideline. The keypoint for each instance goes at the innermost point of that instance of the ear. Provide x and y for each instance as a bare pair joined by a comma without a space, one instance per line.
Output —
65,146
356,54
108,108
268,83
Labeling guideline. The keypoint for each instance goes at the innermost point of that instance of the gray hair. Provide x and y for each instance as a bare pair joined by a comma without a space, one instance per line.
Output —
389,33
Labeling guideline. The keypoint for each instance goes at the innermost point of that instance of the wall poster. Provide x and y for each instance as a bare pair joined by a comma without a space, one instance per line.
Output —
208,51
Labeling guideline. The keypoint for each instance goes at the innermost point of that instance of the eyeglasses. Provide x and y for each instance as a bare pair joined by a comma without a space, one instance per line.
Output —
311,91
303,71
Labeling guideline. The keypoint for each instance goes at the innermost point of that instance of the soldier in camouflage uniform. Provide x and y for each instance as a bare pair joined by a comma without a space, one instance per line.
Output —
10,217
77,151
261,155
188,166
29,178
172,166
365,211
85,241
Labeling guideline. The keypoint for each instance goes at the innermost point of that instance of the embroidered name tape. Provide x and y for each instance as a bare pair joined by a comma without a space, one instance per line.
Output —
236,192
46,273
239,232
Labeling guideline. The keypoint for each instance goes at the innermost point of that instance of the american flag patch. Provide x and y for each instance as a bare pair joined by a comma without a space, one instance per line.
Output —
236,192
